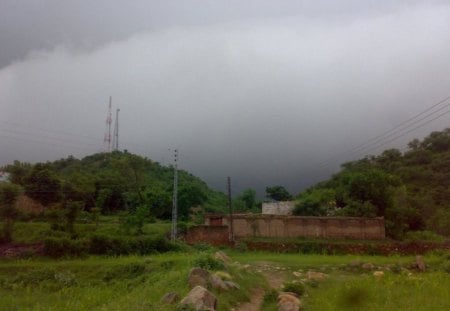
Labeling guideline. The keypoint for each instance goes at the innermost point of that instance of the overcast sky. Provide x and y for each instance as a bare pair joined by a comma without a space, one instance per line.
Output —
262,91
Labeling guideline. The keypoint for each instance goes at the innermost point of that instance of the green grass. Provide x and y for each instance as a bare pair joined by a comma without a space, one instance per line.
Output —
360,290
106,283
34,232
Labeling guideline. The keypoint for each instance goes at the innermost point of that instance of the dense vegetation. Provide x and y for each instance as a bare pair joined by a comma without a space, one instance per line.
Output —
113,182
411,189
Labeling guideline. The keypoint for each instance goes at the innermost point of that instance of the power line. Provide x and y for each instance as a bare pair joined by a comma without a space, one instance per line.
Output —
405,125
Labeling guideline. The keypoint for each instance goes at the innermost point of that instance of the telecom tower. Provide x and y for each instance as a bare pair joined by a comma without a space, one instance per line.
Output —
107,139
116,132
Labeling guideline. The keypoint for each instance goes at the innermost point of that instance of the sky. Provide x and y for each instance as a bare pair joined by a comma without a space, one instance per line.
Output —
266,92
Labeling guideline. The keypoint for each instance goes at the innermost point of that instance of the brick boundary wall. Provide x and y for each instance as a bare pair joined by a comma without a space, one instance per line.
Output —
214,235
249,225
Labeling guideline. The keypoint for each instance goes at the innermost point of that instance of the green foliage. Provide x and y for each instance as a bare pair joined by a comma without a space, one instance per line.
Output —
114,182
294,287
278,193
425,235
316,202
135,220
71,213
270,296
248,196
104,245
208,262
410,190
43,185
8,196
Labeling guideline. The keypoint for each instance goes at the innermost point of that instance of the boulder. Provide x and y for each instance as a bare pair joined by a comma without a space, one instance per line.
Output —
223,275
316,276
368,266
378,274
420,264
231,285
170,298
288,302
217,283
200,298
198,276
222,257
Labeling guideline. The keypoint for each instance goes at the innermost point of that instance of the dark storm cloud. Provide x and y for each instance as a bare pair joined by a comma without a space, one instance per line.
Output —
262,93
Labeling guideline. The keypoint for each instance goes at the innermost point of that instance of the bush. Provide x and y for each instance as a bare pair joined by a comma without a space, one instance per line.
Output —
58,247
271,296
296,288
104,245
208,262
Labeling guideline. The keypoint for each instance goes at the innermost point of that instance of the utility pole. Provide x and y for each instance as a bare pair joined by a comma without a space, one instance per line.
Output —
175,196
230,208
116,132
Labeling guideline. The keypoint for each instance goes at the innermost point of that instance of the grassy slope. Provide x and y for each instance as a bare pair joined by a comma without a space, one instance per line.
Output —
123,283
137,283
361,291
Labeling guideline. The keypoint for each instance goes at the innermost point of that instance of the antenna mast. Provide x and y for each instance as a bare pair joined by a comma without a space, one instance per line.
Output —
175,196
107,139
116,132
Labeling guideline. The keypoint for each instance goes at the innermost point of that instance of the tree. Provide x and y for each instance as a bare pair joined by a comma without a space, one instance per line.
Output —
316,202
278,193
43,185
189,196
248,196
8,196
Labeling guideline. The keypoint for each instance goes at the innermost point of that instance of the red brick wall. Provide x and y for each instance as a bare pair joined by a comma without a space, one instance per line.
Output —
214,235
245,225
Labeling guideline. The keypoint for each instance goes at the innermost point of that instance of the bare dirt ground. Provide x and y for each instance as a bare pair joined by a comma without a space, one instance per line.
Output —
17,250
274,276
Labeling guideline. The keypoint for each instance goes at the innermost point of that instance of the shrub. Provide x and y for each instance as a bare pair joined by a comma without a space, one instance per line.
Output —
104,245
271,296
296,288
208,262
58,247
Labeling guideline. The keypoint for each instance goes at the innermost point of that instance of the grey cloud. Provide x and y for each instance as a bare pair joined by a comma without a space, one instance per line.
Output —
263,100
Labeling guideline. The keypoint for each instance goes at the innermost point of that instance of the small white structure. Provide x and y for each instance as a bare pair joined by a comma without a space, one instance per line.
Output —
278,208
4,176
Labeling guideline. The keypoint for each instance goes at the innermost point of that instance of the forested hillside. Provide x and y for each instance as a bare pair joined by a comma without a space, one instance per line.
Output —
112,182
411,189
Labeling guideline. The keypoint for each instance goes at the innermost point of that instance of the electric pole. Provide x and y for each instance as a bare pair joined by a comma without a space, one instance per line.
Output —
175,196
230,208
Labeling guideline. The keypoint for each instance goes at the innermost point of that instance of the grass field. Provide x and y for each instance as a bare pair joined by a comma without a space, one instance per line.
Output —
138,282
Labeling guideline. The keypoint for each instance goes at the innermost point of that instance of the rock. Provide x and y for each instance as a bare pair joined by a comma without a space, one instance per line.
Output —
222,257
297,274
316,276
288,302
355,264
223,275
200,299
232,285
368,266
420,264
378,274
170,298
217,283
198,276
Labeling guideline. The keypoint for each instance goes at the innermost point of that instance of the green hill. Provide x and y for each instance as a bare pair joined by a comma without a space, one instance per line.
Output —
411,189
113,182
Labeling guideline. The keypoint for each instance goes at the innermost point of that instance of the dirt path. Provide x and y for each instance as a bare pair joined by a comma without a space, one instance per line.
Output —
274,275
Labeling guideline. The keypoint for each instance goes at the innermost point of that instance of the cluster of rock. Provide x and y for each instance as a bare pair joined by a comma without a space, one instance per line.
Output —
199,281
